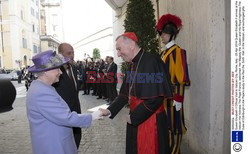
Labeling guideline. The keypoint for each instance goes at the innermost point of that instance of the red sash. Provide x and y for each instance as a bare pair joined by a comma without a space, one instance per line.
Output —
147,135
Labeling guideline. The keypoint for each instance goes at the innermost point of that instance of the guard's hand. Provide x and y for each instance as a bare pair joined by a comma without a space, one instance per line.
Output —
177,105
97,115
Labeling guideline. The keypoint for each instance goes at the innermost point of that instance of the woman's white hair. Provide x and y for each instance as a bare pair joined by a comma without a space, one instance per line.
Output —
38,74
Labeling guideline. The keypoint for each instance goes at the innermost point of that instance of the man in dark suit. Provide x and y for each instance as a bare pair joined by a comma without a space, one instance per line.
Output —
100,75
111,75
68,86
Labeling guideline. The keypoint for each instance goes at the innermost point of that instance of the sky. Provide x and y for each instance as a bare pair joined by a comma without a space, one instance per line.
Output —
82,18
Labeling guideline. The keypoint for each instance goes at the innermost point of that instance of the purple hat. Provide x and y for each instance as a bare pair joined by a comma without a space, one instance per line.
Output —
47,60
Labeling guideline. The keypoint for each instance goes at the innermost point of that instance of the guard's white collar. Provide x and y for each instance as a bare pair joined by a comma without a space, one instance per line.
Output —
170,44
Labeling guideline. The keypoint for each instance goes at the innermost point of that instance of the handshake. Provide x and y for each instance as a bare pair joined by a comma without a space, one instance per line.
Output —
100,114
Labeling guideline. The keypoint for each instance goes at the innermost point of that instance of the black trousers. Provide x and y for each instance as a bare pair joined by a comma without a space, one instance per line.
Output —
112,92
77,135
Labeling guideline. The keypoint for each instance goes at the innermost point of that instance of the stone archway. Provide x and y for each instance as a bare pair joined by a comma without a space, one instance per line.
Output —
25,60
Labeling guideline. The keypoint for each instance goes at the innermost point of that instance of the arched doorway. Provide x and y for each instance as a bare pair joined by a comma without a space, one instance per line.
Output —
25,60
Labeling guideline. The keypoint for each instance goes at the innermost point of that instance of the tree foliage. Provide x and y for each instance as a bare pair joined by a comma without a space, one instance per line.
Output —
96,53
140,18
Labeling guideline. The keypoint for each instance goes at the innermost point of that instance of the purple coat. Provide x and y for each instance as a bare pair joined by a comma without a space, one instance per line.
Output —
50,121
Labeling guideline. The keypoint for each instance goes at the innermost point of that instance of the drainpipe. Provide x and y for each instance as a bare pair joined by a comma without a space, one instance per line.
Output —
157,14
157,9
1,25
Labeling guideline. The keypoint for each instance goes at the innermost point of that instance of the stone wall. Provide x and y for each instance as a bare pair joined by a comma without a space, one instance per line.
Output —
205,36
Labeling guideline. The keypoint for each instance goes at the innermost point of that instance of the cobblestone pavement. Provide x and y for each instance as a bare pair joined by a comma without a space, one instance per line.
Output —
104,137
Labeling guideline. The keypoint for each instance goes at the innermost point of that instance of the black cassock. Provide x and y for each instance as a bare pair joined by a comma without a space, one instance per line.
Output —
145,87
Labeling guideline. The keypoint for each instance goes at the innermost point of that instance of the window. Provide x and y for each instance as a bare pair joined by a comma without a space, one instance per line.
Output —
36,2
34,48
24,43
22,15
37,15
32,12
54,27
33,27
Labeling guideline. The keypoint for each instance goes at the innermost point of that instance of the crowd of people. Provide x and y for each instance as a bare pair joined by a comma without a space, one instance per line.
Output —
98,76
155,122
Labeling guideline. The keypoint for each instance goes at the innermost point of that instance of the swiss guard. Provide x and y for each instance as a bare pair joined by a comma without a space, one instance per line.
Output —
175,61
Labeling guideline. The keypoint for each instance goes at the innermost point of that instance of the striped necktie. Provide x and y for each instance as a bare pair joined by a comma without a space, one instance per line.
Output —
70,74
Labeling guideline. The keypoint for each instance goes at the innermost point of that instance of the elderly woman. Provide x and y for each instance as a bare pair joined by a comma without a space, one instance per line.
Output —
49,116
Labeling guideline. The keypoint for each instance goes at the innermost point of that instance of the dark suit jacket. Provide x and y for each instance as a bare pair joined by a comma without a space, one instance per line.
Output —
113,69
67,90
